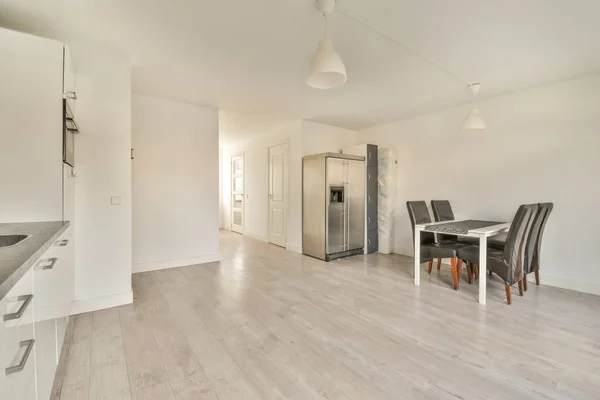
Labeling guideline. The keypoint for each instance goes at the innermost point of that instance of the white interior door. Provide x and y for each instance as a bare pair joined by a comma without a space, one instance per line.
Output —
278,183
237,193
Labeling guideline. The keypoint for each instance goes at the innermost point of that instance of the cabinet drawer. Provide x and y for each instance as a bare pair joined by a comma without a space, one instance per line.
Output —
17,370
16,308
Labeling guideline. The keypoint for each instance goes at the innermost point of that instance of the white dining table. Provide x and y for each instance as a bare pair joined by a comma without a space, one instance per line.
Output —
482,233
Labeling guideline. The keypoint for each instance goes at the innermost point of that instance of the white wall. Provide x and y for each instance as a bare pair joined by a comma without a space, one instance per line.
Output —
175,184
303,138
541,145
318,138
103,167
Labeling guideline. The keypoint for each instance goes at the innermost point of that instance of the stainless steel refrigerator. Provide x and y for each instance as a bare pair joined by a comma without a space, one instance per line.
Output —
333,205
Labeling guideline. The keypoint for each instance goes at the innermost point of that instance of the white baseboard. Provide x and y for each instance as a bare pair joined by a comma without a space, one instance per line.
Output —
182,262
555,281
257,237
294,248
567,283
100,303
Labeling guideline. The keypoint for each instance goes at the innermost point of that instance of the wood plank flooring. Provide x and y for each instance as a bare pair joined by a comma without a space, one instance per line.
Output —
268,323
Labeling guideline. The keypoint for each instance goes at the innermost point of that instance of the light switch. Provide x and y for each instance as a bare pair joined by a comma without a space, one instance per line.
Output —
115,201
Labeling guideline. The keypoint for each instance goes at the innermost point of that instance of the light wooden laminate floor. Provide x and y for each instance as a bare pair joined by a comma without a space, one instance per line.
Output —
269,323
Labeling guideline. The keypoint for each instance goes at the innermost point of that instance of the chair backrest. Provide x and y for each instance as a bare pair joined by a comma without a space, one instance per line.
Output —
419,214
516,241
545,210
442,211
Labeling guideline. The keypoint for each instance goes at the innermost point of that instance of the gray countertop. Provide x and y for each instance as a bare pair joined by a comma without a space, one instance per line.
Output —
16,260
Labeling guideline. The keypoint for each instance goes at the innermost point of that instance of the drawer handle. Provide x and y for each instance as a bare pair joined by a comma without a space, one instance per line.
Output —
51,262
62,243
27,299
19,367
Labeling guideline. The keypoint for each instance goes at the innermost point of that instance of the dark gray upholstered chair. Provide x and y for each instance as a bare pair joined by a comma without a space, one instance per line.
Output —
509,263
430,249
442,211
534,242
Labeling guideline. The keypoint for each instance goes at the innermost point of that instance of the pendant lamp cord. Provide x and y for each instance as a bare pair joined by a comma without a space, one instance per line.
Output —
401,44
325,16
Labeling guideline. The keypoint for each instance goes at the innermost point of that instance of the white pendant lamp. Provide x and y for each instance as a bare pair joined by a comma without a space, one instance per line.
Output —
474,121
327,69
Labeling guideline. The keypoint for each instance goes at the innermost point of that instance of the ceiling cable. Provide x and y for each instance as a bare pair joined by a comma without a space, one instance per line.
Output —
401,44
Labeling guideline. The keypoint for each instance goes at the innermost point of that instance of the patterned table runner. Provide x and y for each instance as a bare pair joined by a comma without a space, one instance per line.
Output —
462,227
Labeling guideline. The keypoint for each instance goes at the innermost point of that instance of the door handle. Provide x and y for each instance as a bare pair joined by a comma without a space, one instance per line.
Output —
19,367
16,315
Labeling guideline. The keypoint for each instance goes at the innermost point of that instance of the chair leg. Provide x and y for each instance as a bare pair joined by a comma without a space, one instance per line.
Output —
469,273
430,266
439,263
525,283
454,273
508,299
537,277
459,266
521,287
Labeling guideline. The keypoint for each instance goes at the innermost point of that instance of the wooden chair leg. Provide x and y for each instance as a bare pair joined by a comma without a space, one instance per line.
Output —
459,266
475,270
508,299
537,277
430,266
525,283
439,263
469,273
454,273
521,287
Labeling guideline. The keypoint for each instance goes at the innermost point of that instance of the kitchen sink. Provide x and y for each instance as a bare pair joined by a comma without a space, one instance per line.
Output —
11,240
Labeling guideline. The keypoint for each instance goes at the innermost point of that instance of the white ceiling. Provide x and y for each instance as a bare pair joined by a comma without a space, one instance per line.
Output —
252,56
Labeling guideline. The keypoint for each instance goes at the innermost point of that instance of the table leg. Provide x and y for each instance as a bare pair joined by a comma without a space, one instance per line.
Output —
417,257
482,268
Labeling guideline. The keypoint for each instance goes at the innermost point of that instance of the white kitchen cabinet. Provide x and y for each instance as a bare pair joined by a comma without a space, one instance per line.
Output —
37,308
17,360
31,127
54,280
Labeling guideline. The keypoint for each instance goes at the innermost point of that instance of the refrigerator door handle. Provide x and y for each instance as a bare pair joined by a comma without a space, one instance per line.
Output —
347,218
344,228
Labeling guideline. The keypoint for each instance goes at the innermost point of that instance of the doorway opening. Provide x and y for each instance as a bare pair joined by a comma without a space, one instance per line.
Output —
237,193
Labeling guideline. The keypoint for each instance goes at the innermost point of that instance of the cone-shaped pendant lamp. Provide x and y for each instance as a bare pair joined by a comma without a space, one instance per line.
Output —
474,121
327,69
